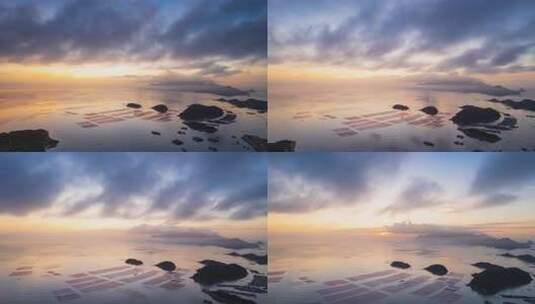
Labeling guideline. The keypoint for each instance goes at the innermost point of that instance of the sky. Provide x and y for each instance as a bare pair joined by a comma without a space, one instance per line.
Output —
71,192
338,191
490,40
224,41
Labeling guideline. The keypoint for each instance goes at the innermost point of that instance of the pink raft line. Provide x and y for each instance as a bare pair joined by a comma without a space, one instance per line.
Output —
386,280
345,294
336,289
140,277
121,273
335,282
81,280
371,275
159,280
106,270
406,284
101,287
366,298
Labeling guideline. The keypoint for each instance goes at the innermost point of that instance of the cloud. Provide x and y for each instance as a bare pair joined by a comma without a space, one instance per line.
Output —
501,176
233,28
484,36
124,185
497,199
419,193
463,85
190,236
28,184
435,234
80,31
314,181
194,85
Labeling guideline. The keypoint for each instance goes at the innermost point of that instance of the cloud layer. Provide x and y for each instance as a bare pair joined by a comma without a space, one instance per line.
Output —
502,177
313,181
122,185
482,36
80,31
190,236
435,234
419,193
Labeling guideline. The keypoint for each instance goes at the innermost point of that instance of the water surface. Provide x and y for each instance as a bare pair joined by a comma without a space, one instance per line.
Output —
361,118
315,269
91,119
93,271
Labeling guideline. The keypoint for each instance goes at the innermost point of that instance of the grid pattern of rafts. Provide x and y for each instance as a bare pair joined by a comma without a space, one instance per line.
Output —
376,286
110,278
351,125
93,120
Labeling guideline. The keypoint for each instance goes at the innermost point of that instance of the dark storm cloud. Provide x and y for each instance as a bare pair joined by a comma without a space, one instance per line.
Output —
28,184
419,193
235,28
192,186
313,181
502,176
102,30
478,35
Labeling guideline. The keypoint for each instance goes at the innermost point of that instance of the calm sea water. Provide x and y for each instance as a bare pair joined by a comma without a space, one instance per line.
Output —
56,271
309,269
98,120
362,119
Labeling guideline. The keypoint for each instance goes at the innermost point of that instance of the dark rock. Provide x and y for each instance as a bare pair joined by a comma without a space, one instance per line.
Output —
197,139
437,269
460,136
27,141
215,272
259,259
201,127
226,297
526,104
526,258
481,135
156,133
133,105
485,265
282,146
528,299
260,144
201,112
178,142
458,143
254,104
471,115
400,107
213,149
133,262
429,144
496,278
227,119
399,264
160,108
167,266
430,110
213,140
